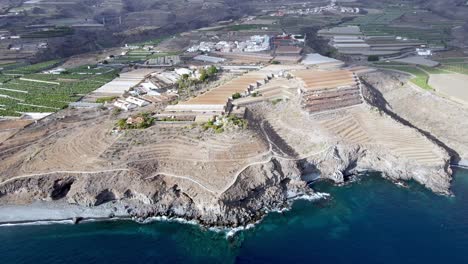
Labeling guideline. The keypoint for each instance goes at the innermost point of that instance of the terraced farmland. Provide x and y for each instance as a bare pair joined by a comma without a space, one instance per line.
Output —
384,18
141,55
34,67
420,77
437,32
456,67
38,92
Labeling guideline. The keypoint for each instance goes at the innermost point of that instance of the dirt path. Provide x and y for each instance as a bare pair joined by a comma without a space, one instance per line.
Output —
55,172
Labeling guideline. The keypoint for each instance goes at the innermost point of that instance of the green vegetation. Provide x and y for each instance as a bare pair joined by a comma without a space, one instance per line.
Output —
276,101
106,99
420,78
437,32
206,74
50,33
452,60
456,67
432,70
141,55
34,68
296,23
140,121
236,96
243,27
275,62
18,95
152,42
237,121
219,124
185,82
385,18
218,128
373,58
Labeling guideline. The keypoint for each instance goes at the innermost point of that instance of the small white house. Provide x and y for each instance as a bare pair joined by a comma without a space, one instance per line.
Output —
124,105
149,86
56,71
137,101
424,52
182,71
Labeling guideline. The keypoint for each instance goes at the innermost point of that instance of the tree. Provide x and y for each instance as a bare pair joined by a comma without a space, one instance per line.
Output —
236,96
373,58
203,74
212,70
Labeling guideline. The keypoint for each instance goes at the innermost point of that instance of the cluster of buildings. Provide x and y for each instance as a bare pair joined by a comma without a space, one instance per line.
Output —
330,8
130,102
256,43
164,61
28,46
4,34
218,101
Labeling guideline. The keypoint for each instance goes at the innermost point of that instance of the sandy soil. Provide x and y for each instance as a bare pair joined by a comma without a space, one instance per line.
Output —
453,85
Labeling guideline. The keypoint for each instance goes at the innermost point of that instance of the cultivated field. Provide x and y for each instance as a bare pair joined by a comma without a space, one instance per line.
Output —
452,85
26,89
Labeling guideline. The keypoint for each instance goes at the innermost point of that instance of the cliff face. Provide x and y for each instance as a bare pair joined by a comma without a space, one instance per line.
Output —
258,189
437,118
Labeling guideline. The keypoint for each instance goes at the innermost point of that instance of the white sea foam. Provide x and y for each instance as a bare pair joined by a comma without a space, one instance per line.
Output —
312,197
50,222
169,219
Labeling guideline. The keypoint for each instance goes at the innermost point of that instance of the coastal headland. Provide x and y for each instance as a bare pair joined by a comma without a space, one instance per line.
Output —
220,179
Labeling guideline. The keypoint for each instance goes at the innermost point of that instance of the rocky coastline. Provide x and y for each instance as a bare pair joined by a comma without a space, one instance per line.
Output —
138,193
257,191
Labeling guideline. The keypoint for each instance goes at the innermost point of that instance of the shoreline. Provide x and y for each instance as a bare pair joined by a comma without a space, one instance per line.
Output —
34,214
49,212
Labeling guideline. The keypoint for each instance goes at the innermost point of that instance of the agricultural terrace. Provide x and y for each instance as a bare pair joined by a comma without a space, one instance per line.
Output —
33,91
33,68
421,74
387,23
297,23
457,65
141,55
420,77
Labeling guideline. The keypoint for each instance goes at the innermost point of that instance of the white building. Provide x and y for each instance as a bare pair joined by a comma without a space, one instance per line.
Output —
149,85
182,71
124,105
136,101
424,52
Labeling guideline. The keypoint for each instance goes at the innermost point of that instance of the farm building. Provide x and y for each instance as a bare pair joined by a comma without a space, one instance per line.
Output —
124,82
124,105
136,101
217,100
210,59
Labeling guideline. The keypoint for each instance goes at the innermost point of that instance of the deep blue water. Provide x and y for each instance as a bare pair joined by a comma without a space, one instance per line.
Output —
369,221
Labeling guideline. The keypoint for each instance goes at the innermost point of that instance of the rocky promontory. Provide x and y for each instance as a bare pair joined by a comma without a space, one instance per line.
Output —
219,179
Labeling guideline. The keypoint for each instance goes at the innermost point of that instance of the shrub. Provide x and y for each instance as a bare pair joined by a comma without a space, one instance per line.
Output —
373,58
236,96
106,99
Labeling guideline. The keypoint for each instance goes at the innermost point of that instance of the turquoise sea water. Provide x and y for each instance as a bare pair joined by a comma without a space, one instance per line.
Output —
369,221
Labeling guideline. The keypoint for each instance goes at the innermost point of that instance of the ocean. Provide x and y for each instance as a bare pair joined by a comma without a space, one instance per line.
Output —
368,221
